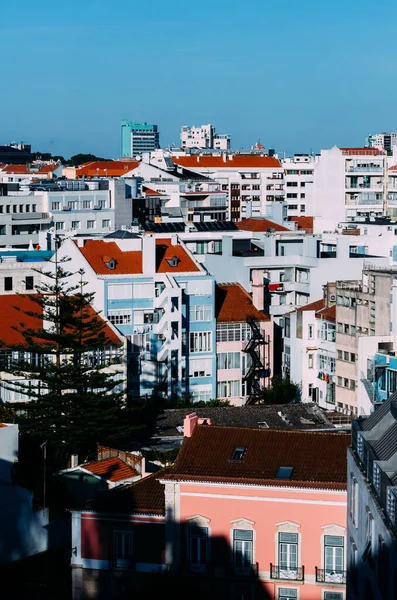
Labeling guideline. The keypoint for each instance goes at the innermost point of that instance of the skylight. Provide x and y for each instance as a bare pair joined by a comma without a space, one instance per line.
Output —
238,453
284,472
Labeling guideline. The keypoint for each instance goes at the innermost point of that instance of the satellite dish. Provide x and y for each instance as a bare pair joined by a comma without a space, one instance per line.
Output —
138,157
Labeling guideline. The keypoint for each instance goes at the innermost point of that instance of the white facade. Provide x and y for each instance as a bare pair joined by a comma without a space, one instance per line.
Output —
204,137
299,184
383,141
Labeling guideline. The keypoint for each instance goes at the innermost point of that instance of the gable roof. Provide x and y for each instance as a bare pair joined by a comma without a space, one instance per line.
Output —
234,304
129,262
106,168
207,456
327,314
233,161
145,496
303,223
149,192
259,225
317,305
14,309
111,469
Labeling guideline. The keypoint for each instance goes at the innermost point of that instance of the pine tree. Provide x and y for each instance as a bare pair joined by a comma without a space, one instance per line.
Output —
75,401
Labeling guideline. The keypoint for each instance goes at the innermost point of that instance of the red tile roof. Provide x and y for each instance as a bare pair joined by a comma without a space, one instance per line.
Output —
14,309
362,151
260,225
2,425
97,251
48,168
145,496
17,169
233,161
112,469
129,262
150,192
207,456
327,314
106,168
317,305
303,223
393,168
234,304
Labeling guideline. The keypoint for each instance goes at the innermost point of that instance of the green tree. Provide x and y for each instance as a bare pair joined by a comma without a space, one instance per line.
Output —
75,401
281,391
79,159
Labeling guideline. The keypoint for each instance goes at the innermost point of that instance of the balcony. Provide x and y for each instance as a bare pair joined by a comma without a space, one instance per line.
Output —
247,571
330,576
287,573
366,168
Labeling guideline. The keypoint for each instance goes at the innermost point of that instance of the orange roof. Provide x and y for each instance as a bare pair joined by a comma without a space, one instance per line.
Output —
2,425
129,262
97,251
393,168
317,305
106,168
48,168
111,469
17,169
165,251
327,314
150,192
233,161
303,223
13,309
234,304
363,151
259,225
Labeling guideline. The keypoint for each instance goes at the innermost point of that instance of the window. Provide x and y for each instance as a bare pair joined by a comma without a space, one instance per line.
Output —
360,445
120,291
333,596
369,534
90,224
334,555
340,355
60,225
122,549
352,330
346,329
310,361
120,317
242,547
284,472
339,380
292,184
228,360
352,357
105,223
8,284
310,332
339,328
86,203
75,224
345,382
33,207
292,195
198,546
288,551
287,594
376,476
233,332
201,247
200,312
322,362
201,341
55,205
345,356
228,389
200,368
352,384
392,381
391,505
303,207
287,327
310,390
144,290
29,283
238,453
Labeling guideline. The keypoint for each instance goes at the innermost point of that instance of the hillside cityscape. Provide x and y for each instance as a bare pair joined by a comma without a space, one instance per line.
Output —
198,372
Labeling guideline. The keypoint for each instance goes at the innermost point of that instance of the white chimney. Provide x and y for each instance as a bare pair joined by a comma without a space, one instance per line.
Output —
74,461
148,255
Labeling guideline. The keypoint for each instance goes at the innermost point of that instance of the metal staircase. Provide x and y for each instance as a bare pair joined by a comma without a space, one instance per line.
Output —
257,371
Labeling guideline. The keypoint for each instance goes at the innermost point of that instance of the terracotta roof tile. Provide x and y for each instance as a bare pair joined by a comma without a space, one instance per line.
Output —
150,192
207,455
303,223
260,225
17,169
317,305
234,304
13,309
327,314
165,251
233,161
111,469
106,168
362,151
145,496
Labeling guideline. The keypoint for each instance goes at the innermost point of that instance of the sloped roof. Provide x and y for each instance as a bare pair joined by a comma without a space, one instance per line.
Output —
259,225
207,456
303,223
150,192
145,496
362,151
234,304
112,469
106,168
165,251
233,161
327,314
317,305
15,309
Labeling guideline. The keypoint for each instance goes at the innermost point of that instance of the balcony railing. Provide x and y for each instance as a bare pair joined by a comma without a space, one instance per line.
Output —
287,573
247,571
330,576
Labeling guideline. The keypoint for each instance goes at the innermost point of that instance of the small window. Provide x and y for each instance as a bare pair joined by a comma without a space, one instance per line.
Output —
8,284
238,453
287,594
29,285
284,472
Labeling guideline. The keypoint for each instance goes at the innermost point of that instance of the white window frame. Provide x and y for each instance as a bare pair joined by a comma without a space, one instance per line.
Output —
200,312
200,341
121,316
126,542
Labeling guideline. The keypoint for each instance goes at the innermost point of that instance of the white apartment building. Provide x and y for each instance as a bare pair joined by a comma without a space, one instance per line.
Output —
204,137
252,181
299,184
383,141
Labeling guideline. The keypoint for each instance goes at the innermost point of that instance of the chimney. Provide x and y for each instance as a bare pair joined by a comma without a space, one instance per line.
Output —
258,297
174,240
148,255
189,424
224,157
74,461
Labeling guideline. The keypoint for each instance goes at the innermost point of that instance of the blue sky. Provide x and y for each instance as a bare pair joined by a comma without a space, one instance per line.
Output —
299,76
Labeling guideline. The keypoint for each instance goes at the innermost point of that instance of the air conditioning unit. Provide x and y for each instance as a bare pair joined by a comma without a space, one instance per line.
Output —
66,208
97,207
332,298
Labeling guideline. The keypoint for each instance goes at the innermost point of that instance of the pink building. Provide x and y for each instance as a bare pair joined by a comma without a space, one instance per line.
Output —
260,511
243,345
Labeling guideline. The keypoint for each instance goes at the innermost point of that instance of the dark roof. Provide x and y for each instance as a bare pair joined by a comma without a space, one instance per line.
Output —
121,234
216,226
275,416
145,496
207,456
176,227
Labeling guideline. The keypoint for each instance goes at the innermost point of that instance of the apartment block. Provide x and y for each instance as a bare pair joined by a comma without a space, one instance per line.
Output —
383,141
137,138
204,137
299,184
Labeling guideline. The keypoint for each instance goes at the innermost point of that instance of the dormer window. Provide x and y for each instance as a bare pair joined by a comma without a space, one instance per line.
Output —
174,261
238,453
109,262
284,472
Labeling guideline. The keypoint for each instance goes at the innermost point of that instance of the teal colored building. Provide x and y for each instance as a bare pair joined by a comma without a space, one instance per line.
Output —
137,138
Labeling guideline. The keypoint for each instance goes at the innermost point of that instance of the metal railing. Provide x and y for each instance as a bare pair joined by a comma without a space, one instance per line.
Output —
330,576
287,573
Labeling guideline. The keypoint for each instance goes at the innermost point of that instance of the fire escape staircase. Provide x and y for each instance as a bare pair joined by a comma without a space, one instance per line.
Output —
257,370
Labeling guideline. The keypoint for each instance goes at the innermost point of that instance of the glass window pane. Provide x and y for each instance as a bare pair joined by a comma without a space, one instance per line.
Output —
243,534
